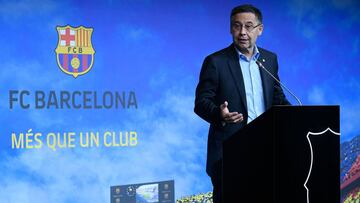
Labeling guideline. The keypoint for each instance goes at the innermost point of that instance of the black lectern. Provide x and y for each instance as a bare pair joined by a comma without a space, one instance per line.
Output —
289,154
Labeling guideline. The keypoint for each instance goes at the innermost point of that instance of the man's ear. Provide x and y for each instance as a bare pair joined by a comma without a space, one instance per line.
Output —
261,28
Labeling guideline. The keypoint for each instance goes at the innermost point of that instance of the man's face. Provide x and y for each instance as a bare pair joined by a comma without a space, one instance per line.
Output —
245,29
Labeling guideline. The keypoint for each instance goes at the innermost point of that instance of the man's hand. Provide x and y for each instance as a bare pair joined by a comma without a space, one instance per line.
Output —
229,117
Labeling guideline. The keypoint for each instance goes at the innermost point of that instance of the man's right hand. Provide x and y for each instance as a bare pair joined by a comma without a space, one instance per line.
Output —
229,117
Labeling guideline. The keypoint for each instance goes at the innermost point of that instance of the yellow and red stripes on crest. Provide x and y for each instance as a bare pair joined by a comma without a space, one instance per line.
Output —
82,38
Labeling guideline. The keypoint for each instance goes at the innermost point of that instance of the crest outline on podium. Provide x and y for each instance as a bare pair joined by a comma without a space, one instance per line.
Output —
312,156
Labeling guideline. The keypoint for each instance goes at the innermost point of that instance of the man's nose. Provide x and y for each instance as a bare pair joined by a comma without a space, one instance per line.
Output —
242,30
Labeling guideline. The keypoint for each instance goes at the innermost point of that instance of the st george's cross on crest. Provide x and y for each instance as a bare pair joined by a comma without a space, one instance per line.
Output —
74,51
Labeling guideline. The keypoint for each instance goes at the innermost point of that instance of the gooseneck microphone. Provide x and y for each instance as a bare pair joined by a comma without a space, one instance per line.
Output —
278,81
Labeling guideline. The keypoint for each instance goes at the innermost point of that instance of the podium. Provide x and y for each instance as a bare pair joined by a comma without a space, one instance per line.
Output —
288,154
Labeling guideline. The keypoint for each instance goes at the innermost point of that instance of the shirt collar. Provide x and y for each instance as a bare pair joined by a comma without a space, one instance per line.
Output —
254,57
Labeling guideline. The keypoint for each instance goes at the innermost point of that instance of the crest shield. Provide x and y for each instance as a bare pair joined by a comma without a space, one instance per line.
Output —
74,51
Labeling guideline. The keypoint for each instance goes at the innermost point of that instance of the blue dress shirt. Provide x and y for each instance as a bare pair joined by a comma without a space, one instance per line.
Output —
253,85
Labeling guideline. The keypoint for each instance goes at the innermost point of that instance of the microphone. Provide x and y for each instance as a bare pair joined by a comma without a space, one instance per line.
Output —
278,81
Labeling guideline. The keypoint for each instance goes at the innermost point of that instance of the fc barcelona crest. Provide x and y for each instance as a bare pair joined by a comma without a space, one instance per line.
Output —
74,51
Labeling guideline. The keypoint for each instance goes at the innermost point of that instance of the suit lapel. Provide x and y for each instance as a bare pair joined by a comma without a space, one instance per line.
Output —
235,70
267,81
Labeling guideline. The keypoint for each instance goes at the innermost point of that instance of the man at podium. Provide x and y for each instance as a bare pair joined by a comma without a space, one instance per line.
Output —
233,90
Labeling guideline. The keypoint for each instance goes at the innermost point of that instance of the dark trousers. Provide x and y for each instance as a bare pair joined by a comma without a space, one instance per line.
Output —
216,180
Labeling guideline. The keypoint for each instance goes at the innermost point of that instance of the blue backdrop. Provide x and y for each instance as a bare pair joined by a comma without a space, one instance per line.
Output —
154,48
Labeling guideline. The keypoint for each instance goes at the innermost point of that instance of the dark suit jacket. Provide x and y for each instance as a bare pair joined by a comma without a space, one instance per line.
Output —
221,80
